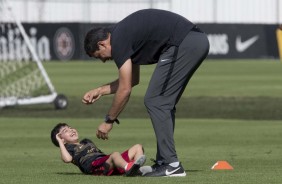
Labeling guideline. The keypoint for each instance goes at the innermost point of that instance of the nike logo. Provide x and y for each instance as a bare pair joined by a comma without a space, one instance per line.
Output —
171,172
163,60
242,46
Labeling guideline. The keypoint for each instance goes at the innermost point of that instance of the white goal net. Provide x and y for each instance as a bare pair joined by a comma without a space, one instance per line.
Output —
23,79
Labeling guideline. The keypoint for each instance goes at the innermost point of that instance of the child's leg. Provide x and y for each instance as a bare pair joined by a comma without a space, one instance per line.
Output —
135,152
131,168
116,160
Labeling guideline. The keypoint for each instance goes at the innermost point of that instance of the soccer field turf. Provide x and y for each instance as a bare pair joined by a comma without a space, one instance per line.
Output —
231,110
225,78
219,89
253,148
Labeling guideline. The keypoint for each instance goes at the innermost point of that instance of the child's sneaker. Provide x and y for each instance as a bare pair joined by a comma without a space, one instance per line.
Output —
132,168
145,169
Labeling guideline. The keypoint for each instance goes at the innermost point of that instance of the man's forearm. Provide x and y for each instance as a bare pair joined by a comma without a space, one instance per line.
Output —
110,88
119,102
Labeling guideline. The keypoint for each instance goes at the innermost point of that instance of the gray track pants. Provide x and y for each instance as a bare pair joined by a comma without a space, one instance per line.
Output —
173,72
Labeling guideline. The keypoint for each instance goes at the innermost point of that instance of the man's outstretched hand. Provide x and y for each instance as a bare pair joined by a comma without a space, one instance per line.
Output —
91,96
103,130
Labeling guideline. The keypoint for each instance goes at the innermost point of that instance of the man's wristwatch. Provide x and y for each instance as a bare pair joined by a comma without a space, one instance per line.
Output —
110,121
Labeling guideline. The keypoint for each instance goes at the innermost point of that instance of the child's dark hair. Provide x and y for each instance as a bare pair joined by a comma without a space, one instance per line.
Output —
55,131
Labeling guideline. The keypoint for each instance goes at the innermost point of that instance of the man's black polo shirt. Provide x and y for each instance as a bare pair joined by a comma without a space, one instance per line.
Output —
145,34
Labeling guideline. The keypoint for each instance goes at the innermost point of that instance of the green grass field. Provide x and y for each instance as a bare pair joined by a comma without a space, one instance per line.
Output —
231,110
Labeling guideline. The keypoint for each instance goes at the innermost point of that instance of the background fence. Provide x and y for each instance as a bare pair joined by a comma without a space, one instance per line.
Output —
97,11
236,28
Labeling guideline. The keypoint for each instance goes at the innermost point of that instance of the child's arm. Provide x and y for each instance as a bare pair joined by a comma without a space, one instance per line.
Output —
66,157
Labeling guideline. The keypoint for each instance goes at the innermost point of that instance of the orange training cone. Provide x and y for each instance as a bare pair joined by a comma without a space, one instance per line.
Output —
222,165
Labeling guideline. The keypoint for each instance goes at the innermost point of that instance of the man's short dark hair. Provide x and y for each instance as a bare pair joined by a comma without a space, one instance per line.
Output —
55,131
93,37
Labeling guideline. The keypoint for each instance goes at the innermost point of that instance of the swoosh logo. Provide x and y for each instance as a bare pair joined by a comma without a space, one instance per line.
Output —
171,172
163,60
242,46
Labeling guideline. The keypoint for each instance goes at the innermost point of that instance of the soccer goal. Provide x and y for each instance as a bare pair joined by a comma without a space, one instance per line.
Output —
23,79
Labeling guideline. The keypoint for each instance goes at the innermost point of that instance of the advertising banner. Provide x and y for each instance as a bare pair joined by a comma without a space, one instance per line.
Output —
64,41
50,41
241,41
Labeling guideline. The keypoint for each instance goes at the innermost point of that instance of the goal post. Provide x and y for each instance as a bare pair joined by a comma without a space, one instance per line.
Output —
23,79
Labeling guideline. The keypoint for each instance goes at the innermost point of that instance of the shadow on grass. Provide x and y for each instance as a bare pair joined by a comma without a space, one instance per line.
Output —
189,171
69,173
73,173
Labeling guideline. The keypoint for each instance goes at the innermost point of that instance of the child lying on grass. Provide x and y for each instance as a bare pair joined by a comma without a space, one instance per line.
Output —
90,159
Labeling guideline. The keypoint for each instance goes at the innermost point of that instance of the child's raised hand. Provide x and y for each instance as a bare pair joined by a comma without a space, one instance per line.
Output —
59,139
